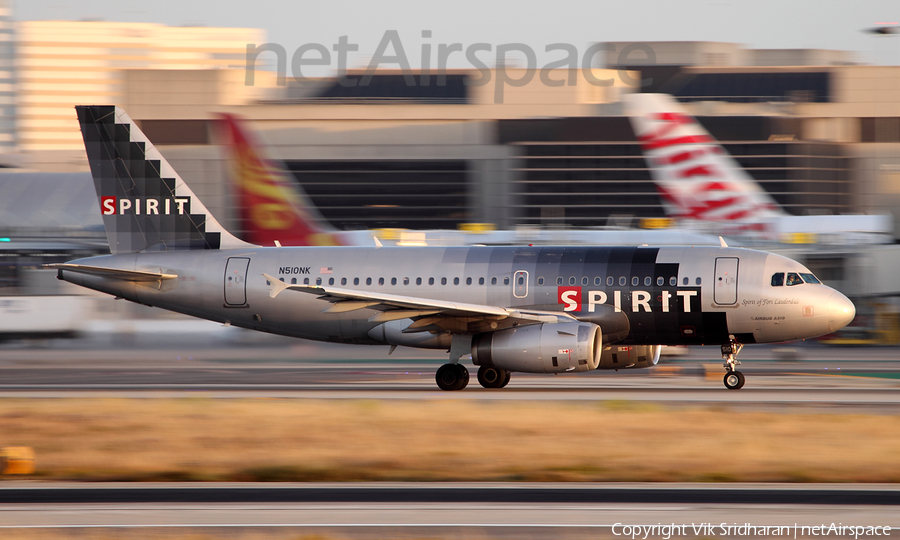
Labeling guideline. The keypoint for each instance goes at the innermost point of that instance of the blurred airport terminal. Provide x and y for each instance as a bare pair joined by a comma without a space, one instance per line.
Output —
818,129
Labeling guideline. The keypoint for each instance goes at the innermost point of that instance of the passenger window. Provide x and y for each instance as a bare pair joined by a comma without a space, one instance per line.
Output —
406,281
443,281
506,280
468,281
356,281
660,281
793,279
809,278
279,279
318,281
584,280
481,281
306,281
622,281
343,281
368,281
559,280
418,281
684,281
456,281
597,281
493,281
381,281
697,281
393,281
331,281
635,281
778,279
521,280
431,281
571,280
610,281
293,281
648,281
673,281
540,281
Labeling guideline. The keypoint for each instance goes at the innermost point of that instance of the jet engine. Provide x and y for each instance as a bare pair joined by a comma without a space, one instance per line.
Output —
540,348
631,356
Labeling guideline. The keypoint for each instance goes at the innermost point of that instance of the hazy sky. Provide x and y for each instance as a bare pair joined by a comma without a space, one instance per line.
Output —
828,24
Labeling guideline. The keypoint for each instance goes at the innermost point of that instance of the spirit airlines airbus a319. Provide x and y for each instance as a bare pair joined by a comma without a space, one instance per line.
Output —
528,309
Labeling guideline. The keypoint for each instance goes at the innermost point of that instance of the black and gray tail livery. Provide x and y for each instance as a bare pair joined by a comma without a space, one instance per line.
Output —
145,205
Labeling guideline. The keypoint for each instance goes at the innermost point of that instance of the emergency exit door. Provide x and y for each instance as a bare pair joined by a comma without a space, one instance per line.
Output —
520,284
236,281
726,282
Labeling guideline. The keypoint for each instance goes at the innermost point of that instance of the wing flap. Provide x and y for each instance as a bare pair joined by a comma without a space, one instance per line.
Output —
385,302
428,315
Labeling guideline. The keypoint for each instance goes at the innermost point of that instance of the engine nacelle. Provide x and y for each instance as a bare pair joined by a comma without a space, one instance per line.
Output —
630,356
540,348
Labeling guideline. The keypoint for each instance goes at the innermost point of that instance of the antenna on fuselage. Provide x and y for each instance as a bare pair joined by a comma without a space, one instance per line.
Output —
722,242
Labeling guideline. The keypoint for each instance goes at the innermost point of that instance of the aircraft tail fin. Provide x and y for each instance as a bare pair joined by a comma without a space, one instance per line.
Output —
694,175
145,205
273,208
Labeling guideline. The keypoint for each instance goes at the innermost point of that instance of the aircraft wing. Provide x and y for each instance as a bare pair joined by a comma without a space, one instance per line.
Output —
427,313
114,273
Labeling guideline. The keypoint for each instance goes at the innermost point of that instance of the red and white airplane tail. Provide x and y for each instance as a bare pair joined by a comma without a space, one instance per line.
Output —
696,178
272,209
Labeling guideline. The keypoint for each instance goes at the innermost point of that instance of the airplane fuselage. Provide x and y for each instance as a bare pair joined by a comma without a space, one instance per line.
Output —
637,295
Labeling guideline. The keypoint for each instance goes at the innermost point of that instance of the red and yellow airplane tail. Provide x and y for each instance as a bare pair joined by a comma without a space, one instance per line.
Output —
272,207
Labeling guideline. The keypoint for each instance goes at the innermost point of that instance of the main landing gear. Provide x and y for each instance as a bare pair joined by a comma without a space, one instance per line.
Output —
456,377
452,377
734,379
491,377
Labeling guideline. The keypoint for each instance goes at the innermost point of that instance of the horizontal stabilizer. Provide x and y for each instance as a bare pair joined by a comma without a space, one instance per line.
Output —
113,273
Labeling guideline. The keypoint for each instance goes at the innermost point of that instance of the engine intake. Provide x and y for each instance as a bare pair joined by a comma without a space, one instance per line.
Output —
540,348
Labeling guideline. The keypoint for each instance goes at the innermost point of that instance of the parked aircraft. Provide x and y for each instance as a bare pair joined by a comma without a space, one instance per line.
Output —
703,187
527,309
274,208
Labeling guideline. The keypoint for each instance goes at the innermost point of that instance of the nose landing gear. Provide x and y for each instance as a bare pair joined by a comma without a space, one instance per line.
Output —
734,379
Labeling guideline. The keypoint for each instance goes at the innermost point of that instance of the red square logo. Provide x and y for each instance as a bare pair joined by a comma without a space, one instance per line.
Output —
108,205
570,298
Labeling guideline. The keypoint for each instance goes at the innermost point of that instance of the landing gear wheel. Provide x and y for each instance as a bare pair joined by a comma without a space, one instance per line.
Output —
491,377
734,380
452,377
464,373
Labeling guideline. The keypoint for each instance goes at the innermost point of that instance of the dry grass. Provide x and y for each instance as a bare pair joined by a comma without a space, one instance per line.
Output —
330,440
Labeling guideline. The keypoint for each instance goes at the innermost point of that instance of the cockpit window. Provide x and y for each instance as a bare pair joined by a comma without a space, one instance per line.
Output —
809,278
778,279
793,279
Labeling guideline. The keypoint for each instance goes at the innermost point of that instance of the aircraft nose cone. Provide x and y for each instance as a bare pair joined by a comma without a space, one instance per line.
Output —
840,311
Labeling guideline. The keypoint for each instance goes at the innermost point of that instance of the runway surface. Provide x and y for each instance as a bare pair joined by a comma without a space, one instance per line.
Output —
444,510
871,382
569,493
